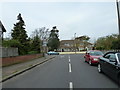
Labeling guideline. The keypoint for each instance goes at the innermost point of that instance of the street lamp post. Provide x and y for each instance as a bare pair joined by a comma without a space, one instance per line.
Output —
118,14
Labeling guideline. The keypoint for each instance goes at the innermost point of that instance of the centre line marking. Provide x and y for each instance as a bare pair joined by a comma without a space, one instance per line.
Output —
71,86
70,69
69,60
69,57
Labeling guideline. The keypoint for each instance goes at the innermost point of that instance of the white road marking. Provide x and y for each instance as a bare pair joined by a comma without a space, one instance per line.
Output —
69,57
70,69
71,86
69,60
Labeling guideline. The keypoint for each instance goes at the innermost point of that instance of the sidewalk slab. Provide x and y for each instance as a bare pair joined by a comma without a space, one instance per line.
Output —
13,70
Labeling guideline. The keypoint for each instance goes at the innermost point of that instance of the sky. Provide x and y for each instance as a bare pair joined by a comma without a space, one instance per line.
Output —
94,19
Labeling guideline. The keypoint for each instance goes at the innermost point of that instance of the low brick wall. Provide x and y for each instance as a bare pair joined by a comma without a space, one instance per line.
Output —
13,60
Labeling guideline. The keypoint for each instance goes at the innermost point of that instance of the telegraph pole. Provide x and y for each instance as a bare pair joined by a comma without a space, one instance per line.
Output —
118,14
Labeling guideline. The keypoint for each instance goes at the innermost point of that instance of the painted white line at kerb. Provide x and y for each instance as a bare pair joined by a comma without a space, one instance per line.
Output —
70,68
71,86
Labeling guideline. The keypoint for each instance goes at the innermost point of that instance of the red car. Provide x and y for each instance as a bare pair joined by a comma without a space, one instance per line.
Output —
92,56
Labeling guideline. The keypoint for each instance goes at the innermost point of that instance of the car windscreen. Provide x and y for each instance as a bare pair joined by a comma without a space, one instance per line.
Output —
96,53
119,56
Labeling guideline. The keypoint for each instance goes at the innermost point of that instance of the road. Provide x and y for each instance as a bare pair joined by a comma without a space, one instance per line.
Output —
64,71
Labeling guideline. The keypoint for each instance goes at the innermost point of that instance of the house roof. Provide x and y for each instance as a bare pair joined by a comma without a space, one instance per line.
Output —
89,43
3,28
72,42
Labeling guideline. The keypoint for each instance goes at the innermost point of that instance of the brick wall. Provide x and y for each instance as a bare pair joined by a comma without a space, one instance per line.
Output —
17,59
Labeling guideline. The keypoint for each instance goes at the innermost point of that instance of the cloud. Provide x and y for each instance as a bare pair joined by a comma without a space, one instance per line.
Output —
92,19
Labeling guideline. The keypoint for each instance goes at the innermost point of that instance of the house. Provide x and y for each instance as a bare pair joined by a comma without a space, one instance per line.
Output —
2,30
74,45
67,45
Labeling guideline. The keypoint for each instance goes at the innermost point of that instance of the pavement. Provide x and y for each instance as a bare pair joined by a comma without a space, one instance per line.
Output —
63,71
13,70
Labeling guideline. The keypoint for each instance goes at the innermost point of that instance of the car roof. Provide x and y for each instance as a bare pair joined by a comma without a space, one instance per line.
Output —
113,52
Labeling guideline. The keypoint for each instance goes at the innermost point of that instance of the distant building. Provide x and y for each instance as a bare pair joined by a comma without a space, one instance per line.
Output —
2,30
72,45
67,45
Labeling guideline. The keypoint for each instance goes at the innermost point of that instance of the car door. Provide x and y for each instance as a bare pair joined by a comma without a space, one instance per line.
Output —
112,66
104,60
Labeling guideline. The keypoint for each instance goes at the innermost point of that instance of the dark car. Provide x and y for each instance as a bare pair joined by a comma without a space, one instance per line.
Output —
110,65
92,56
52,53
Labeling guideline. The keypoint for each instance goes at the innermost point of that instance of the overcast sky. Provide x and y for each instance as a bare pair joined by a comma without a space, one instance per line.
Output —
94,19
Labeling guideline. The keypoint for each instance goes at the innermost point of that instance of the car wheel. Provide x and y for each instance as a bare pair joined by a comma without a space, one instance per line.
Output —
99,68
90,62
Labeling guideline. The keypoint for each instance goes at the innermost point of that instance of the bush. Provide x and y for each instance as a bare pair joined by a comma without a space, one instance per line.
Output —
16,44
11,43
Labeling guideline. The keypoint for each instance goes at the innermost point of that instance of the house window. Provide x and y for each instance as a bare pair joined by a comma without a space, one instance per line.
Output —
66,44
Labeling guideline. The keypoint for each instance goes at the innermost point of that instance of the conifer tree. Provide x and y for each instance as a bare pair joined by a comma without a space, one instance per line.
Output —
19,34
53,42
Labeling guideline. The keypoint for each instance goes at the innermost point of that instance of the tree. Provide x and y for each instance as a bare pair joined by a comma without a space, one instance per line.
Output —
116,43
39,36
99,44
53,42
107,42
41,32
19,34
82,39
36,44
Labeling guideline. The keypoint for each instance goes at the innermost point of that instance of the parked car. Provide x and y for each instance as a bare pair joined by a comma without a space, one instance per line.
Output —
110,65
92,56
52,53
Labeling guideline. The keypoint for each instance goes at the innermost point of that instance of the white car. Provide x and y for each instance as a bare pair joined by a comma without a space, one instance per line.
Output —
52,53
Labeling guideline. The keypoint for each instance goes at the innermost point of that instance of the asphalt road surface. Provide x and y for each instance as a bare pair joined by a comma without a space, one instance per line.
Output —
64,71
